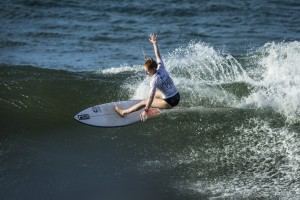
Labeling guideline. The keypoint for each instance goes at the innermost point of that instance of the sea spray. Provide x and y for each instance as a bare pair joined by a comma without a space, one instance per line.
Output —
202,63
265,160
278,81
125,68
201,72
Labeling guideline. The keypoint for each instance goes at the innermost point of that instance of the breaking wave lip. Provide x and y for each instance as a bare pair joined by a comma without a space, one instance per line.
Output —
277,80
120,69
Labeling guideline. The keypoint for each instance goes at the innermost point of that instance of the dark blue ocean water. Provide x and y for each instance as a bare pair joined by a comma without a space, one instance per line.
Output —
235,136
88,35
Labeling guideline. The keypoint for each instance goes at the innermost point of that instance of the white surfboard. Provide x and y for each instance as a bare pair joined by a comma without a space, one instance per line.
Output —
104,115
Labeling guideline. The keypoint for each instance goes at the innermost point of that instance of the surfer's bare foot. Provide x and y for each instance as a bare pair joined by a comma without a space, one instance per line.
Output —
120,111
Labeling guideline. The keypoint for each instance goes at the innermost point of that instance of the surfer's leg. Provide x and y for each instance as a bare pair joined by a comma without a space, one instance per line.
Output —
134,108
119,111
159,102
158,94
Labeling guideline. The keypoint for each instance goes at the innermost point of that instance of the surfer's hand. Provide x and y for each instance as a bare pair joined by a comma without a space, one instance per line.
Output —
144,116
152,38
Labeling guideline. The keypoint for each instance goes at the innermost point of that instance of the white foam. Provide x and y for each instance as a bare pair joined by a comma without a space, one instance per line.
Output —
202,63
277,80
120,69
142,90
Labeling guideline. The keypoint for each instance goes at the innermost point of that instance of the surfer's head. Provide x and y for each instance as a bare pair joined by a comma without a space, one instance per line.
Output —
150,63
150,66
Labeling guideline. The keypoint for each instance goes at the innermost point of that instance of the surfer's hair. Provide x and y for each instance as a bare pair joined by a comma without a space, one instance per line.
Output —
150,63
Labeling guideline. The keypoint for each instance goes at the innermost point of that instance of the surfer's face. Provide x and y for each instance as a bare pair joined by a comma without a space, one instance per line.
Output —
150,66
149,71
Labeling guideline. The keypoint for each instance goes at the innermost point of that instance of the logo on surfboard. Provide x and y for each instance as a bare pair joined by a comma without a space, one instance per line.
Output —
83,117
96,109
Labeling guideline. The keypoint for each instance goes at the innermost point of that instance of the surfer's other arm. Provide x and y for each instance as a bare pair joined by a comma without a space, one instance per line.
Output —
148,105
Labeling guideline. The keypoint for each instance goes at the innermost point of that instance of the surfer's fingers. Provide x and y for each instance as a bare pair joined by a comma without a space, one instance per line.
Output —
141,116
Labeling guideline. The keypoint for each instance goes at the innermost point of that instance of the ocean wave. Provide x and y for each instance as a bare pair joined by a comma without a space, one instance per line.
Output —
277,79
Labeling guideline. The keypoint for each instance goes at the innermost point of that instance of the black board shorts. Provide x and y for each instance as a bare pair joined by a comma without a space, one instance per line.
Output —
174,100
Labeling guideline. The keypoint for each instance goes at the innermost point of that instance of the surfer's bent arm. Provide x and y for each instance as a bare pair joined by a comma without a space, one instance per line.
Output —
148,105
150,100
153,40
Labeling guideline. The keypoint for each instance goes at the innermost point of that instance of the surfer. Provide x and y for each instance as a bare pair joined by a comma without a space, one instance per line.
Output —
167,95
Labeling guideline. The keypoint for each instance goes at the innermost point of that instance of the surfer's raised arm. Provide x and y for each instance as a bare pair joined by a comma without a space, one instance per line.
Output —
153,40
